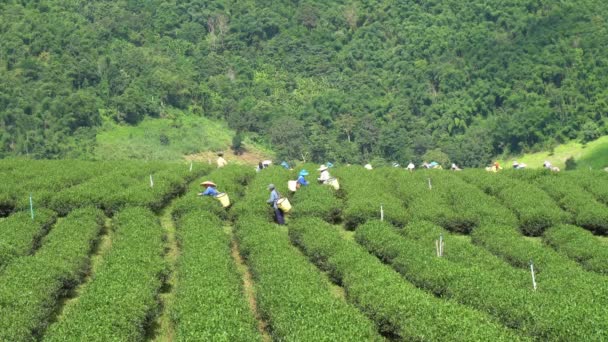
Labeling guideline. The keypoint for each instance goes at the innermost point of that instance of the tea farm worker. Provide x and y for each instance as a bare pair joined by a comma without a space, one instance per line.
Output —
210,189
324,177
274,197
221,162
301,180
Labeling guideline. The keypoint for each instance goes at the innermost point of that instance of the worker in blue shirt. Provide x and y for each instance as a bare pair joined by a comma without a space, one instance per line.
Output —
210,189
274,197
301,180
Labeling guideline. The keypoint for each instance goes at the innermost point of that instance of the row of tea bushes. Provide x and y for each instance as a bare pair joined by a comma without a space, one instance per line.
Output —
398,308
31,285
21,235
367,193
121,298
292,296
209,301
580,245
535,209
548,313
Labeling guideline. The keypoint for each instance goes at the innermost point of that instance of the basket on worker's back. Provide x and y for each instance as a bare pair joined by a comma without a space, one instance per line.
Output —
224,199
284,205
292,185
334,183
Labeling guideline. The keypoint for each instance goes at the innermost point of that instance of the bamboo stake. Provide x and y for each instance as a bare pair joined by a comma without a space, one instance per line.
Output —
381,213
31,207
533,277
430,186
151,181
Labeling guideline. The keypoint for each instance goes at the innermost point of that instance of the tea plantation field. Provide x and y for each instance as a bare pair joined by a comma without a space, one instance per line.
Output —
127,251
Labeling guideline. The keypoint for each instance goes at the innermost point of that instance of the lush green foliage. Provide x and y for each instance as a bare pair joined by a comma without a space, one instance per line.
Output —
498,290
292,295
230,179
21,235
121,297
329,79
31,285
367,194
587,212
317,201
579,245
209,304
535,210
397,307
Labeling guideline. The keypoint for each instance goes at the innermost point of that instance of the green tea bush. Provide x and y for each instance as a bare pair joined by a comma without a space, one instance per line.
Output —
398,308
579,245
21,235
293,297
535,210
366,192
587,212
121,299
209,301
317,201
594,182
231,179
31,285
535,313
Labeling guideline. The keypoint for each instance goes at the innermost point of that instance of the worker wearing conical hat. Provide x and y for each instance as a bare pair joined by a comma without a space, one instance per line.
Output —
324,176
210,189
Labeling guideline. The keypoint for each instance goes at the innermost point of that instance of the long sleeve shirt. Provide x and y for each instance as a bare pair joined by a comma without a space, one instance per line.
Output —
210,191
302,180
324,176
274,197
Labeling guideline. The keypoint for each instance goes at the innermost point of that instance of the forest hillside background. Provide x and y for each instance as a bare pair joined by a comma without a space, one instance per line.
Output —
347,81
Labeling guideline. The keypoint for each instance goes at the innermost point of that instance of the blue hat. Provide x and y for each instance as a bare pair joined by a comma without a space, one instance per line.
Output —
303,173
329,164
285,165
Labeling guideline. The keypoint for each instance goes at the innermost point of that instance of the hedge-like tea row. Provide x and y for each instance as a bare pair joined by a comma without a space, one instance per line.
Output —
292,295
20,235
582,293
449,201
595,182
317,201
209,301
535,210
120,300
367,191
548,313
31,285
43,179
580,245
587,212
128,186
396,306
231,179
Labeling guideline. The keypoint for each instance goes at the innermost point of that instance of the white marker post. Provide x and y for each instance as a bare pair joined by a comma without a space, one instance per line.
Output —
533,277
31,207
151,181
381,213
190,166
430,186
439,246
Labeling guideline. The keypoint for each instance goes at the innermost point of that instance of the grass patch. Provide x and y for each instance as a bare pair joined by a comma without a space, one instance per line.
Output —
162,139
593,154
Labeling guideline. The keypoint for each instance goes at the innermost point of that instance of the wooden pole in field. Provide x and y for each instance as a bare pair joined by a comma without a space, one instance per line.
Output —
430,186
381,213
191,166
533,277
440,245
151,181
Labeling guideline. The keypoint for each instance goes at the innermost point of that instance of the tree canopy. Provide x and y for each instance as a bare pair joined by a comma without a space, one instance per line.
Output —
346,80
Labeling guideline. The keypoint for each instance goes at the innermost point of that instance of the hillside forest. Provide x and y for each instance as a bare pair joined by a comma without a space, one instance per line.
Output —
343,80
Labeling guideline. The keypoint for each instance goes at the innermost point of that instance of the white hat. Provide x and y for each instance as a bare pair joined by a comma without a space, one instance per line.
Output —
368,166
322,168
